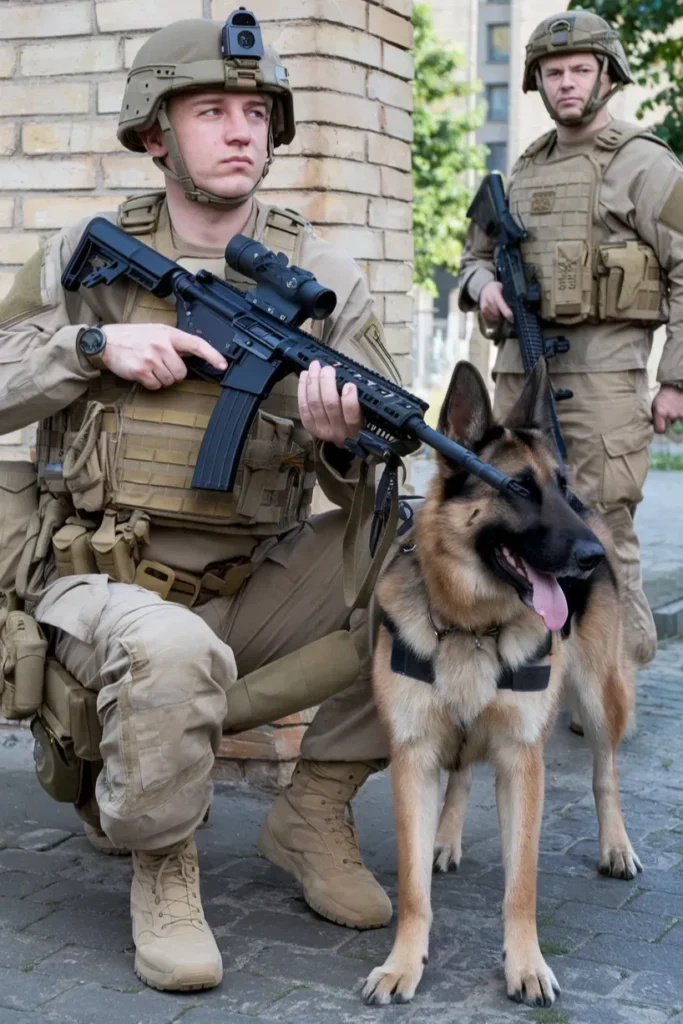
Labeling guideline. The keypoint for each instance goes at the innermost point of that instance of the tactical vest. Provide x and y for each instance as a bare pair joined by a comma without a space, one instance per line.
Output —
586,271
130,452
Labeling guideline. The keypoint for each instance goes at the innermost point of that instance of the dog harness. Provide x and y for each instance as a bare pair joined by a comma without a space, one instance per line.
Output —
528,678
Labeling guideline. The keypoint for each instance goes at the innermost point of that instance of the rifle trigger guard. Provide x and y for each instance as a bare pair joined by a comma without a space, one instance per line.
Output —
555,346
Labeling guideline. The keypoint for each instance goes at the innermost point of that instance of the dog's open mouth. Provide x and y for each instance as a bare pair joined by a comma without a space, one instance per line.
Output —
538,590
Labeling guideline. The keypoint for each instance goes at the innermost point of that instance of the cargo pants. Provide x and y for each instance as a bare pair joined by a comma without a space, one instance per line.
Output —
161,671
607,427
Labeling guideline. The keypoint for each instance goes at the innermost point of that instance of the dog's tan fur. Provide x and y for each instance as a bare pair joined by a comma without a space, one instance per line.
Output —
464,718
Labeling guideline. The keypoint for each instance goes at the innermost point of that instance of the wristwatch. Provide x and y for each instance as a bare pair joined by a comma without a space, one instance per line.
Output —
91,342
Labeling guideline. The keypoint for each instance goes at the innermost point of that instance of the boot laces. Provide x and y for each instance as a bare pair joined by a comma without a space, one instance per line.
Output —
175,889
345,835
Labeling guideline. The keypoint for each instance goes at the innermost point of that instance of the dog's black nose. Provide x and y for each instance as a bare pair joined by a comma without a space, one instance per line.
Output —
589,554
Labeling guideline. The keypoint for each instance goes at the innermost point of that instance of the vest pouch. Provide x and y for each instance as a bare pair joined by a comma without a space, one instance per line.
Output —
59,771
72,550
630,282
116,546
18,503
22,650
272,466
572,284
85,460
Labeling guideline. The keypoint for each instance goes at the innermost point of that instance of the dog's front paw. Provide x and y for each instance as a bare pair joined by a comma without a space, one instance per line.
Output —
529,980
395,981
446,856
619,862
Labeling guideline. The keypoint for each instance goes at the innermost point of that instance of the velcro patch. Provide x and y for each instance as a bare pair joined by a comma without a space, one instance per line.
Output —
542,202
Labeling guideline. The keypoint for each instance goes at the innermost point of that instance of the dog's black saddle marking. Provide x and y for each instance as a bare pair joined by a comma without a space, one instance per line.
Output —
529,678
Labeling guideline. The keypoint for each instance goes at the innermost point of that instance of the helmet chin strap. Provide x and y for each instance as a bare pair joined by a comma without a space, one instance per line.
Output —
181,174
594,104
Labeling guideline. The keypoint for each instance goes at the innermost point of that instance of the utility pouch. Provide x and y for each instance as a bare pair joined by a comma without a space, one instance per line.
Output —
18,504
630,282
572,284
85,460
22,652
116,545
72,550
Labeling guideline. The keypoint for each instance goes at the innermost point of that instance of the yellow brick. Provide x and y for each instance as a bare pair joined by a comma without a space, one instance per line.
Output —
389,152
17,246
334,108
6,212
321,207
397,123
404,7
31,21
131,172
110,96
398,308
17,99
341,175
397,62
71,56
47,212
391,90
390,26
43,173
330,41
70,137
6,281
130,49
398,245
8,61
124,15
399,339
359,243
396,184
345,12
8,139
404,365
326,73
391,214
327,140
390,277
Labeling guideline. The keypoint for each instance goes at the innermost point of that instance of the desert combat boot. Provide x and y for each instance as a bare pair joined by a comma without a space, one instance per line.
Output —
174,947
307,834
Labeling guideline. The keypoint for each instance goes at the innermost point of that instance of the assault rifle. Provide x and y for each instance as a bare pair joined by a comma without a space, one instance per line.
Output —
259,334
490,211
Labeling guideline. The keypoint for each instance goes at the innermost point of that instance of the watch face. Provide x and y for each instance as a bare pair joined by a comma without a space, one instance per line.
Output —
92,341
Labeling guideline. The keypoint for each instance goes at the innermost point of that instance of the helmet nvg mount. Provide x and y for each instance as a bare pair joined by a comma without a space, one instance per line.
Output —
577,32
201,54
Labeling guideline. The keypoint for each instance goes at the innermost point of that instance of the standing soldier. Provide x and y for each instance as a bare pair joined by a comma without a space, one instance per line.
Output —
120,426
602,202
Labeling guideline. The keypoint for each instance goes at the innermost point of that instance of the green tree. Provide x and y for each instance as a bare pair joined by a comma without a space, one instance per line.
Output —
442,153
655,51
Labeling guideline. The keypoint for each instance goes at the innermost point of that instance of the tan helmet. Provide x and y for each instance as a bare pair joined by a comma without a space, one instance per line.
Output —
577,32
190,55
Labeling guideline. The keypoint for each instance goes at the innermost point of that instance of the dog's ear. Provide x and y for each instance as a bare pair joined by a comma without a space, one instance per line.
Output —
466,412
532,411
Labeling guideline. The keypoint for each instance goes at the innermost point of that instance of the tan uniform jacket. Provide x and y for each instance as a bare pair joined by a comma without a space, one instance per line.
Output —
636,186
41,371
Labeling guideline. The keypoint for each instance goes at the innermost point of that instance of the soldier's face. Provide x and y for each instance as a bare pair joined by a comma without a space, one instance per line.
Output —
569,81
223,138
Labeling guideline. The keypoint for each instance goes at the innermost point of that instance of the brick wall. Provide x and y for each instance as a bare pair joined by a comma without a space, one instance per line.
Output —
62,70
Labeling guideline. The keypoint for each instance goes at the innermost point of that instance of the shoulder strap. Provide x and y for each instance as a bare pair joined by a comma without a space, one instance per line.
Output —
539,144
618,133
284,232
139,215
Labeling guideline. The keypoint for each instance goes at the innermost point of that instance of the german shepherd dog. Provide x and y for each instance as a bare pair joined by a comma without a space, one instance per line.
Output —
489,608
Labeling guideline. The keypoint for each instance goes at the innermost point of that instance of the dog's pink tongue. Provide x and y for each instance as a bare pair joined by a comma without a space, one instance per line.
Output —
548,599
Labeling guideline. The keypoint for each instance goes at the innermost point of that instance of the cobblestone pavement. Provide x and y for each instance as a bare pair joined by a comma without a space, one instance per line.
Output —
616,947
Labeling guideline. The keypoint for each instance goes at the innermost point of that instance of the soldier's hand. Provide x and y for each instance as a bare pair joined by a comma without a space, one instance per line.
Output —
151,354
324,413
492,304
667,408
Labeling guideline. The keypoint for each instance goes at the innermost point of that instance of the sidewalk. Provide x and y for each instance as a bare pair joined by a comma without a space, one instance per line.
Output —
616,947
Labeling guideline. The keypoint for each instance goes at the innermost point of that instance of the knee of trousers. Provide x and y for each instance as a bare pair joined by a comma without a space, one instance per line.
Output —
162,705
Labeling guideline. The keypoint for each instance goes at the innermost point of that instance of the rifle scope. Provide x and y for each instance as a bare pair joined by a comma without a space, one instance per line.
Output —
294,285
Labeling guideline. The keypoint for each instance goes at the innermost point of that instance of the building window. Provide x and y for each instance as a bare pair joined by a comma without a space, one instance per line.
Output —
498,37
497,159
497,101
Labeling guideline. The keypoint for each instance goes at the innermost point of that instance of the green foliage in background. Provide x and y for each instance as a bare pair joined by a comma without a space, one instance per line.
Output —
442,153
655,53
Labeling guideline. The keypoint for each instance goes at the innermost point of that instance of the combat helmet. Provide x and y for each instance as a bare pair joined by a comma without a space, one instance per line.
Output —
577,32
203,54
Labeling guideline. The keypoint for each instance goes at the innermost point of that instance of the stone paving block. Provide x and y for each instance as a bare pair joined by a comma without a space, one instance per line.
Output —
22,990
329,969
674,936
581,976
614,922
88,1002
559,940
655,989
89,899
76,963
17,949
18,914
42,839
200,1015
18,885
246,992
631,955
660,904
89,930
310,932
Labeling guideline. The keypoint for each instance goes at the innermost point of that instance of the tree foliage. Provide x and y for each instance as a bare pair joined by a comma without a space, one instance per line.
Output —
442,153
654,47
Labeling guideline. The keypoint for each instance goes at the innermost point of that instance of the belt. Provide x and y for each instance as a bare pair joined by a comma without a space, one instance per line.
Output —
188,589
